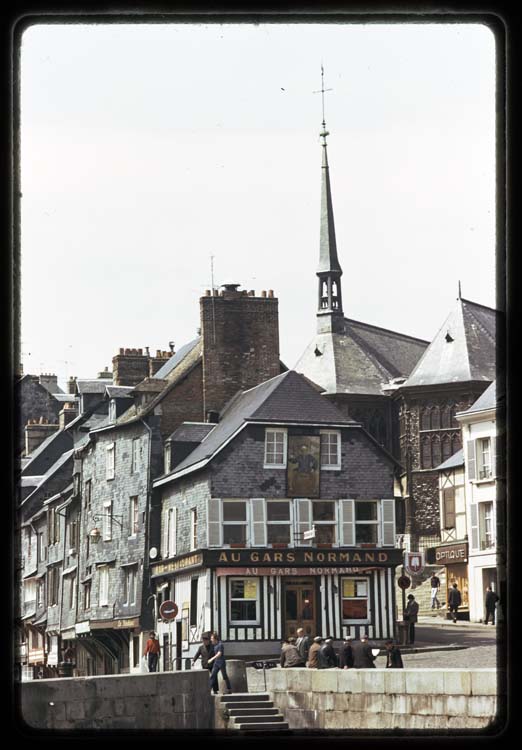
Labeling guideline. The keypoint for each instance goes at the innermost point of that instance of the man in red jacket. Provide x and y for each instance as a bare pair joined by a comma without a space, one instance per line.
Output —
152,652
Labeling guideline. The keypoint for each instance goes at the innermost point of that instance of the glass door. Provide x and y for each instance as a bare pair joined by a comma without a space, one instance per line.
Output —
300,608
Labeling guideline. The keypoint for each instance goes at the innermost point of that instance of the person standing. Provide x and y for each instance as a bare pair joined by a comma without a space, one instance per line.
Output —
313,654
363,657
204,652
454,601
410,616
217,661
290,656
435,586
393,656
346,654
152,652
303,644
327,656
490,603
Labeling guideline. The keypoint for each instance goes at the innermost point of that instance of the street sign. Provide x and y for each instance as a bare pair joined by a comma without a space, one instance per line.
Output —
168,610
414,563
309,534
404,582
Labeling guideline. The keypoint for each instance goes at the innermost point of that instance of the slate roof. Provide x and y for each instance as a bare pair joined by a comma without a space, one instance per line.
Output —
453,462
191,432
47,452
48,474
361,360
176,358
488,400
288,397
65,397
119,391
97,385
463,349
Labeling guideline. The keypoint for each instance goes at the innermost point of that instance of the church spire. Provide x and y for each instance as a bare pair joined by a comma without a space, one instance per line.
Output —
330,308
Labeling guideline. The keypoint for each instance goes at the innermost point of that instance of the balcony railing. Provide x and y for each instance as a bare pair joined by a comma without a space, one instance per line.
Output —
485,473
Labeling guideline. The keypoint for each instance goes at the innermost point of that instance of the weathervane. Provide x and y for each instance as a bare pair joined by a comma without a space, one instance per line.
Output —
322,91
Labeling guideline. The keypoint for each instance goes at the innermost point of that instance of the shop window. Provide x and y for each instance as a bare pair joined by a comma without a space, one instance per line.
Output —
278,521
355,593
275,448
325,522
135,651
234,522
244,601
330,449
366,522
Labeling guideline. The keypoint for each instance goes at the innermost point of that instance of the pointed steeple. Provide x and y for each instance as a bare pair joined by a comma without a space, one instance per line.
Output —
330,315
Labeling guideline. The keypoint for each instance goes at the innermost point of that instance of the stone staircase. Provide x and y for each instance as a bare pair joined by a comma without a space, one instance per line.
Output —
251,712
421,590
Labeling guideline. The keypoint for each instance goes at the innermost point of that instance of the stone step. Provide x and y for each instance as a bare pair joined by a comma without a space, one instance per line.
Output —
240,697
250,719
252,711
281,726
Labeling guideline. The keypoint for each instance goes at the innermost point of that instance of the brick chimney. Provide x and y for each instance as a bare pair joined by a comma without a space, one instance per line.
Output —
71,385
105,374
67,414
36,431
240,337
49,382
130,367
159,360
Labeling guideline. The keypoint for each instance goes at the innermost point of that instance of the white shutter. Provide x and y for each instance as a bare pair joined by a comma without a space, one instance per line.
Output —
472,473
215,526
473,511
304,519
258,516
172,531
347,523
494,456
104,585
388,523
165,535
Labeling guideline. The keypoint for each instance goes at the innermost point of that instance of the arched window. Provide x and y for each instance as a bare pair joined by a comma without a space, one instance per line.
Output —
435,452
425,453
425,419
446,447
456,443
446,416
435,418
452,411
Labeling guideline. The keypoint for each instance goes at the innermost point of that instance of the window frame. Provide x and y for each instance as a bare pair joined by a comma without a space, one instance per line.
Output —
276,431
107,521
103,583
245,524
331,522
377,522
193,529
135,450
87,586
486,517
481,452
244,623
367,598
330,467
110,461
288,523
133,516
130,577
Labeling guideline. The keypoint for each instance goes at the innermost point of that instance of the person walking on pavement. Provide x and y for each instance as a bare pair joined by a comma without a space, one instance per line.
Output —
435,586
152,652
410,617
346,654
313,654
363,657
454,601
204,652
491,602
290,656
303,644
327,654
393,656
218,664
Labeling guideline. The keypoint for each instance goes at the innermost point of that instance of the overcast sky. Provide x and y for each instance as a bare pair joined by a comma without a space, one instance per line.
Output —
148,148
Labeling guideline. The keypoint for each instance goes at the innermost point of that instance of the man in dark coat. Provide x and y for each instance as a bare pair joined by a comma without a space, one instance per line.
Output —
303,643
346,654
362,654
393,656
290,656
454,601
327,656
313,654
204,652
410,617
491,602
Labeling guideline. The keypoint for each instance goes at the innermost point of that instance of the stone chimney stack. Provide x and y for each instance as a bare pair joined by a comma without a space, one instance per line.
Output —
105,374
130,367
36,431
71,385
240,337
49,382
67,414
159,360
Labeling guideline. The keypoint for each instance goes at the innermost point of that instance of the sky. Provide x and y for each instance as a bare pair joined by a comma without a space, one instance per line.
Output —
147,149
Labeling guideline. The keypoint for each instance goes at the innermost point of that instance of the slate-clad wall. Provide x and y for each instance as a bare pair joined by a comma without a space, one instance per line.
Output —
238,470
188,493
32,402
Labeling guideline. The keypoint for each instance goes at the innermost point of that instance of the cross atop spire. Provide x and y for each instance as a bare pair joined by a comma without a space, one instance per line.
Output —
322,91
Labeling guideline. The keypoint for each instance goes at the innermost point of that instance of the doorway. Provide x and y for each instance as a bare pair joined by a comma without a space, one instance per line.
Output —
178,644
300,605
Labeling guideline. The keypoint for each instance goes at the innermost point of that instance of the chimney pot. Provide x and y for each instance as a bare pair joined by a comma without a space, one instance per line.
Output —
270,292
207,292
263,293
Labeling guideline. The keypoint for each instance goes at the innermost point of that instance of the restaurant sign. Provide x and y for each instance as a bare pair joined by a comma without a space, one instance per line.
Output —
182,563
452,553
254,571
302,557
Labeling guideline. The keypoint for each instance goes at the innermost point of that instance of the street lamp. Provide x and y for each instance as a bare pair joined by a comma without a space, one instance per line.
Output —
95,534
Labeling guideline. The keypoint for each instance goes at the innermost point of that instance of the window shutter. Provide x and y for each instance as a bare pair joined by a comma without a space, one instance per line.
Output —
215,526
471,459
348,523
474,526
258,516
165,539
172,531
104,585
388,523
304,519
449,507
494,456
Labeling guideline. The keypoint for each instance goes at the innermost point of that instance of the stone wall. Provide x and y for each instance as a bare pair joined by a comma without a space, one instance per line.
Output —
389,699
169,700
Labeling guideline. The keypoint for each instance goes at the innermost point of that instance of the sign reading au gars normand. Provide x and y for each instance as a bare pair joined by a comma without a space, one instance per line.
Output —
302,557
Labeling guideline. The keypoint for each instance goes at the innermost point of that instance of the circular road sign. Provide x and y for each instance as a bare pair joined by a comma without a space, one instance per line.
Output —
404,582
168,610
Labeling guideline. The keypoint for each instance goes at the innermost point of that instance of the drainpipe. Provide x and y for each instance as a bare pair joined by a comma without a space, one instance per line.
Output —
147,519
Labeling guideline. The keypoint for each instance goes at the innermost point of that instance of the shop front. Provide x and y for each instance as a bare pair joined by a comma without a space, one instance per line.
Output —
455,559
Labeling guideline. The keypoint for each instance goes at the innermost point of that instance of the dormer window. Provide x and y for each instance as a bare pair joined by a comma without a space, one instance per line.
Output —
275,448
330,449
112,409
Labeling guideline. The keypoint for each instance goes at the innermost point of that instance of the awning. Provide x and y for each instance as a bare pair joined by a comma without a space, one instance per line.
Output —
32,575
69,570
41,620
29,614
105,562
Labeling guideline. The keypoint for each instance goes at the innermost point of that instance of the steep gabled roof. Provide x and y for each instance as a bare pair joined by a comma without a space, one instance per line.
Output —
463,349
453,462
191,432
174,361
487,401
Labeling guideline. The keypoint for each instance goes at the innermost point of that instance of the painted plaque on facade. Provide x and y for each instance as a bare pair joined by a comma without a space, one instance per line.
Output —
303,465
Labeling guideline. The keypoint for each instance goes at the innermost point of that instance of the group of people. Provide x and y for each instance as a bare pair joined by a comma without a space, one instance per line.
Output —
319,653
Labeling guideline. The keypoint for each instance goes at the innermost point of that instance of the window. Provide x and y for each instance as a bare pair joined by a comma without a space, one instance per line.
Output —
133,516
103,591
110,461
234,522
330,450
53,588
87,595
484,458
135,455
107,522
278,521
325,522
193,529
29,591
425,453
72,591
354,599
169,532
244,601
436,457
435,418
366,522
72,534
29,541
129,584
40,593
448,500
88,493
166,468
425,419
446,447
275,448
53,526
487,531
42,549
194,602
112,410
